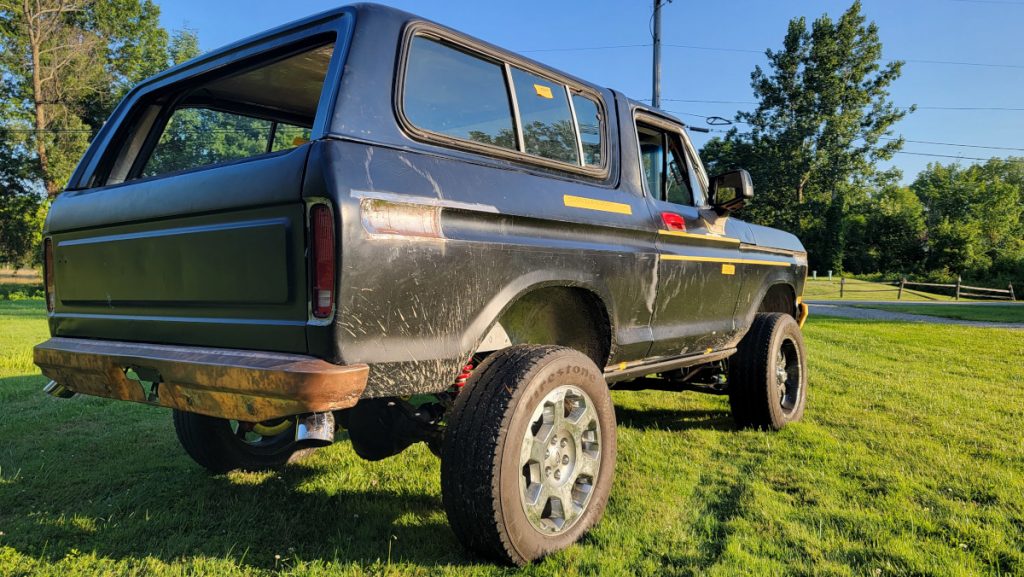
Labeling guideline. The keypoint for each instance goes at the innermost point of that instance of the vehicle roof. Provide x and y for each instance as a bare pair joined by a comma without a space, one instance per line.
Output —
399,17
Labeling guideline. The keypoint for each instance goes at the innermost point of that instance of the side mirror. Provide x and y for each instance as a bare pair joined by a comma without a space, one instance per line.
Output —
731,191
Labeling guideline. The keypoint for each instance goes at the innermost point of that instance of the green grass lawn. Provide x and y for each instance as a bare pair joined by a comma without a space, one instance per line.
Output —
1009,313
909,461
861,290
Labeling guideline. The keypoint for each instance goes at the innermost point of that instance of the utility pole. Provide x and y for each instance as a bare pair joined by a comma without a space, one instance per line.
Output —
656,73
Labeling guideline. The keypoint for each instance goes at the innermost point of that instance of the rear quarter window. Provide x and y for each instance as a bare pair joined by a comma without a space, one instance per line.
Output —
548,129
453,93
590,121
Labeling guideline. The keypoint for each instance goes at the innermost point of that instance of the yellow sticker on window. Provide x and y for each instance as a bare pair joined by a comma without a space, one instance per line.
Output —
728,268
543,91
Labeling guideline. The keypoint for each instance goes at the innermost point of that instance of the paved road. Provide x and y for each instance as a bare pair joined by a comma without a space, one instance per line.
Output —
844,309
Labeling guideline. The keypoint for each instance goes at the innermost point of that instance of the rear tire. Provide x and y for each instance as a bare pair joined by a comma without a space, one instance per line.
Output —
219,445
768,374
528,455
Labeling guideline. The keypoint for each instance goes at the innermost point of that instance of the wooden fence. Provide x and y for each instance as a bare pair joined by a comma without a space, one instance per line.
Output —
959,289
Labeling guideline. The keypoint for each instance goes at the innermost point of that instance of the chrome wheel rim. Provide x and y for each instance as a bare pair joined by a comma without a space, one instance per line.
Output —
788,375
560,460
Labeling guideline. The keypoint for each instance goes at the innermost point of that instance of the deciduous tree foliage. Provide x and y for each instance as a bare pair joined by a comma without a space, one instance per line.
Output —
813,141
974,217
69,62
64,64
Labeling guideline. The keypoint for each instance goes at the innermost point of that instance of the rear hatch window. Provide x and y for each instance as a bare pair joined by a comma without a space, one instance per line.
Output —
263,109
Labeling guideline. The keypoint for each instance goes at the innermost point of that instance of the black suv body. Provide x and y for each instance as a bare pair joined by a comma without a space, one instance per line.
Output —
321,221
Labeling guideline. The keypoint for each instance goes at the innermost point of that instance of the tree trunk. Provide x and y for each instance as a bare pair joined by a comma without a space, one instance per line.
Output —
40,121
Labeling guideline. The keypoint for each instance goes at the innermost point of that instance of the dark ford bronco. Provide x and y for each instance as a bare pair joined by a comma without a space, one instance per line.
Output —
370,222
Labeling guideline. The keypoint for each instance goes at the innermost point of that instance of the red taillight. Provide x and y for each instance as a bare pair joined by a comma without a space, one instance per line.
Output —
51,297
673,221
321,228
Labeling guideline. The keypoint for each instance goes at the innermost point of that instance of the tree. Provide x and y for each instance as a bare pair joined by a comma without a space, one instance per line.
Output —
897,230
974,217
69,61
22,206
64,64
819,129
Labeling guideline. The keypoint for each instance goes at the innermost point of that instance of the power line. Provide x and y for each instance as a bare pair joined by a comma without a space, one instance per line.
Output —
715,48
752,51
962,63
957,157
964,108
1009,2
932,142
971,108
584,48
956,144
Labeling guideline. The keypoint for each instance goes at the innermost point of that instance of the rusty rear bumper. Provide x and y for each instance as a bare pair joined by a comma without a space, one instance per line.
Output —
226,383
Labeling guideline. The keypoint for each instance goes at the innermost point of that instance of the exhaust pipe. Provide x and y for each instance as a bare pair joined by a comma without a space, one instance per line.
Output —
55,389
315,429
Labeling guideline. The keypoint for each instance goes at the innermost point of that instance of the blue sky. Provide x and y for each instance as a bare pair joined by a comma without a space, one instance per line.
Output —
974,31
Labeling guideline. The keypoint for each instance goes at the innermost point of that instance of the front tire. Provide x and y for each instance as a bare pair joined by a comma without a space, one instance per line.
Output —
529,453
221,445
768,374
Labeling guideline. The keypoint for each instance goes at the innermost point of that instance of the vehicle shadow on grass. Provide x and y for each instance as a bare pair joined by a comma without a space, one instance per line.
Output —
674,419
137,498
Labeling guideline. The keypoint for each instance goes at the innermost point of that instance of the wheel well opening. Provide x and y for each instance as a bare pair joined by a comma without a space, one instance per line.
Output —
780,298
565,316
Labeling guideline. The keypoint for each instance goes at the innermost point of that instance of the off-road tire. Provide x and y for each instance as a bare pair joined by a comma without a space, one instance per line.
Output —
211,443
481,450
755,395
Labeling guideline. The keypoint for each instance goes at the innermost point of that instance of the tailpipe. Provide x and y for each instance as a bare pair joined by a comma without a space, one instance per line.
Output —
315,429
55,389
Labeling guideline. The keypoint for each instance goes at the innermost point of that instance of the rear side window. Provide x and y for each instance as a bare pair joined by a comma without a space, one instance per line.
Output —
452,93
195,137
547,121
588,116
456,92
262,109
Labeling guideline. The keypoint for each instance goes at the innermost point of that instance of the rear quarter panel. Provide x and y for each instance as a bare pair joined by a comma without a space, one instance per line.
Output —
415,308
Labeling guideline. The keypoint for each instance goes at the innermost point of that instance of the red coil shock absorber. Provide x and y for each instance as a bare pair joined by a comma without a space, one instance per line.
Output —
460,381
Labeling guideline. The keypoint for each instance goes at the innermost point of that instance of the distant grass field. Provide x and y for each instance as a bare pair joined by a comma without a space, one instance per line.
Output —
861,290
908,462
20,276
1008,313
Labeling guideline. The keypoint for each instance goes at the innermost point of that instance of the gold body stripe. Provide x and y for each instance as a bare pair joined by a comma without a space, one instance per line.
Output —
708,237
724,260
594,204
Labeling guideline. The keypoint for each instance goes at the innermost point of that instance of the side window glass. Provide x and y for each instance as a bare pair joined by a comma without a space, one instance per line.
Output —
588,117
678,179
545,116
652,159
453,93
196,137
288,136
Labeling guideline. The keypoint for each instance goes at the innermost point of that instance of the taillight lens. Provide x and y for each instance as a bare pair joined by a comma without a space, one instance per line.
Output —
321,226
673,221
51,297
